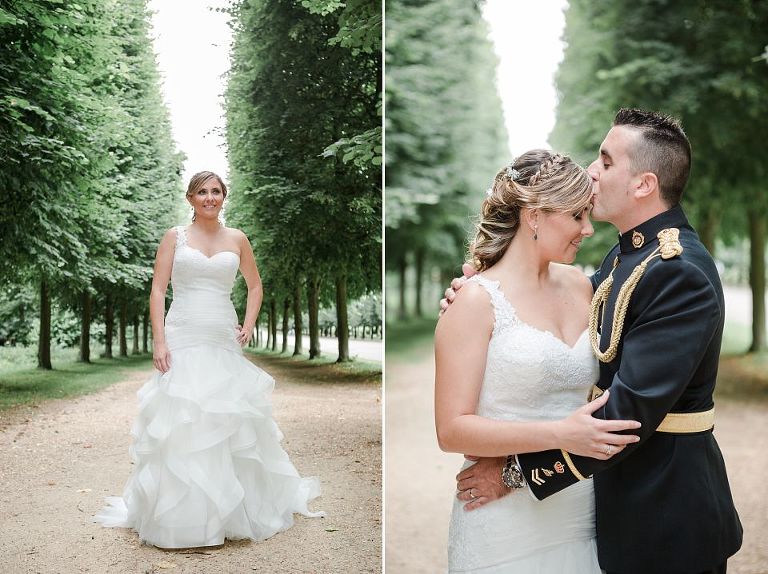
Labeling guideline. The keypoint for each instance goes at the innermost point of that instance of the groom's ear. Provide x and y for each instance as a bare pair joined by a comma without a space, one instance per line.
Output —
647,184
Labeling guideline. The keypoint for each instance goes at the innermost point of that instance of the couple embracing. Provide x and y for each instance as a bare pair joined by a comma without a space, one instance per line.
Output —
632,482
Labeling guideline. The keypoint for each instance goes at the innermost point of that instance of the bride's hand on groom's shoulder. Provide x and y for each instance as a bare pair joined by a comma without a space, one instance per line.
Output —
456,284
585,435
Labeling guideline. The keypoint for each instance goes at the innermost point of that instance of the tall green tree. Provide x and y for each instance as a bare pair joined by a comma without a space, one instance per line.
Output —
445,133
315,222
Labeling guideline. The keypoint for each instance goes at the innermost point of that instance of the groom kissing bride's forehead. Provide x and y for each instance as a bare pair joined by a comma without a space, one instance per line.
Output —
662,504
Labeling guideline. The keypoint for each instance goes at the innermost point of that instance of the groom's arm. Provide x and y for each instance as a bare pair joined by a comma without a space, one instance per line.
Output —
678,313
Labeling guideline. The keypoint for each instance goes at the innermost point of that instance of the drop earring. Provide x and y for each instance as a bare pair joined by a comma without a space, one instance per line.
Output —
535,232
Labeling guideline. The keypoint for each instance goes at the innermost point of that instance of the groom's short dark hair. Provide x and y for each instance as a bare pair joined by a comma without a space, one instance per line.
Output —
662,149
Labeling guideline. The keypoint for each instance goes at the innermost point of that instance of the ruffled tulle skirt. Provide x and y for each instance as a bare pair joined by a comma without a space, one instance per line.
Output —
208,463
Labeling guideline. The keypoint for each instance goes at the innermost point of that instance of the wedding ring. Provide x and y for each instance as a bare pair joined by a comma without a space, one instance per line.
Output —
608,450
472,496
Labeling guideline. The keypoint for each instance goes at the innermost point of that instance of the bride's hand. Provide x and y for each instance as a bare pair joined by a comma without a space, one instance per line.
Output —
161,357
244,335
585,435
456,284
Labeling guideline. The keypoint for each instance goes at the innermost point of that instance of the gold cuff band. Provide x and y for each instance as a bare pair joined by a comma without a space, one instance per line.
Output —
572,466
684,423
676,423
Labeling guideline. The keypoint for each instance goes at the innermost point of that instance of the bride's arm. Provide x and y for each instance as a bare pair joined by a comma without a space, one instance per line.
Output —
255,291
160,278
461,345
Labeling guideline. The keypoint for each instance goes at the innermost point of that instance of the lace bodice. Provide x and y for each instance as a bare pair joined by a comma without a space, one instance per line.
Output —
531,374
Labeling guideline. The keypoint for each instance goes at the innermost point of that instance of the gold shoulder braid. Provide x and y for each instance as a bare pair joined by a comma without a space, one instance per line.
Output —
669,246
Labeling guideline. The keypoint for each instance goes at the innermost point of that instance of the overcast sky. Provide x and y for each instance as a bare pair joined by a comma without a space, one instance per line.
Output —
526,36
192,45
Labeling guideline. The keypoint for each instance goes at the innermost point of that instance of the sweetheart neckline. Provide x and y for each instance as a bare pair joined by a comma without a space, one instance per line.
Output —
212,256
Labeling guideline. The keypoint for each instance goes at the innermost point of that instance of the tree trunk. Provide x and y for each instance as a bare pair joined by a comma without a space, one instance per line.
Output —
707,229
313,304
273,316
44,341
298,328
85,327
109,325
402,266
269,329
145,334
257,335
419,281
342,321
286,311
757,238
135,349
123,328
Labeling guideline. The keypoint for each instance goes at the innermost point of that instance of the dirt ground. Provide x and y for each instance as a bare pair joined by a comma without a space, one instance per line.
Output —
419,478
60,459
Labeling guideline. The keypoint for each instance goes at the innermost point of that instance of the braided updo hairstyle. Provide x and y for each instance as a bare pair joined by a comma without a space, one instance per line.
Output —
538,179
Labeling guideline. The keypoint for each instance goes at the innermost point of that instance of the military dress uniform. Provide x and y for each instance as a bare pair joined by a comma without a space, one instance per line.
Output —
662,505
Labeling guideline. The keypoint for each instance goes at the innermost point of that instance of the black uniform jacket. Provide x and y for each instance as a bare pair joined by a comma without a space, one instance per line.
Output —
662,505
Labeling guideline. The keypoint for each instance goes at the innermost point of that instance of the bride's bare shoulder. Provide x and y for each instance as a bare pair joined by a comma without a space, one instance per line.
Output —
472,301
236,234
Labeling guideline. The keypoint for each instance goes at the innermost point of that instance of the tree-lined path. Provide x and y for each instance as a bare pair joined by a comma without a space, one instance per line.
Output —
60,458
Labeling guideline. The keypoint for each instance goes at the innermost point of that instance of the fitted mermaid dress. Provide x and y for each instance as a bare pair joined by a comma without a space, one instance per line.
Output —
208,463
530,375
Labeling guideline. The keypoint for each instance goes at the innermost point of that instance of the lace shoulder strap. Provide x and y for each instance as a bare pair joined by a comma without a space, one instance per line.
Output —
181,236
503,311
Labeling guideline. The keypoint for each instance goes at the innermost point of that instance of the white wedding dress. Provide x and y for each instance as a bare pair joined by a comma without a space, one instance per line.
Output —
530,375
208,464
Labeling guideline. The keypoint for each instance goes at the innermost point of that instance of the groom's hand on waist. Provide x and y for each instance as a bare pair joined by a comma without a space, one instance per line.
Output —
481,483
456,284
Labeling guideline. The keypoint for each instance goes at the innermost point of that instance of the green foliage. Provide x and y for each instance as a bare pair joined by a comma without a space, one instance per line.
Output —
292,93
86,151
444,126
694,59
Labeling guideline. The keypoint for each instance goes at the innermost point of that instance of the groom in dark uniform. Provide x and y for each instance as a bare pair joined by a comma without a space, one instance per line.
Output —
662,505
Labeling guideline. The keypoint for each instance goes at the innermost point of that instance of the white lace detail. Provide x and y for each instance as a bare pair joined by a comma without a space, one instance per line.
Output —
181,236
530,375
503,312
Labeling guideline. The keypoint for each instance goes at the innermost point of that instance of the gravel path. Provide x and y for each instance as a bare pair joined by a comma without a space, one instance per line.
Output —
420,483
59,460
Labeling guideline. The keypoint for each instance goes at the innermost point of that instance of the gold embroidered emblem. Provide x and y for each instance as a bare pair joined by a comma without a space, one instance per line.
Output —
559,468
637,239
547,471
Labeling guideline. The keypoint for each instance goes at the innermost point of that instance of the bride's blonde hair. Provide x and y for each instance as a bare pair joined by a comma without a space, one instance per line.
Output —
538,179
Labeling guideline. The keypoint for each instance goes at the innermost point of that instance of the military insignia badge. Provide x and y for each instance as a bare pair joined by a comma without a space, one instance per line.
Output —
637,239
547,471
559,468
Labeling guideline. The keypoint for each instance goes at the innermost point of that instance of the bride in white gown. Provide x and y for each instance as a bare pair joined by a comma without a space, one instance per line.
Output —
208,464
514,367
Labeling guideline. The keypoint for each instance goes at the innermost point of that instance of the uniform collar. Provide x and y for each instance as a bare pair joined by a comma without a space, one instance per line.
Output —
645,233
